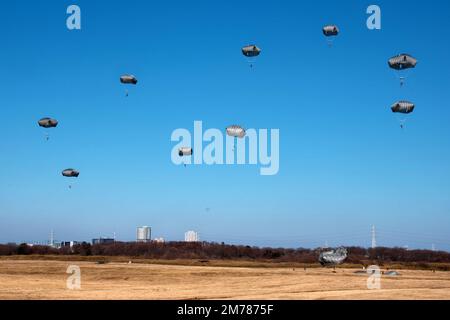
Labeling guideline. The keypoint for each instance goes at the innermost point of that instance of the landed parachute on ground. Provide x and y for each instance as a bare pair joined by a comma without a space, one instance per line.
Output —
48,123
236,131
185,152
333,257
70,173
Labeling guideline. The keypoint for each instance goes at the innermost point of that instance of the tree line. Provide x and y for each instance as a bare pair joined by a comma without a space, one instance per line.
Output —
221,251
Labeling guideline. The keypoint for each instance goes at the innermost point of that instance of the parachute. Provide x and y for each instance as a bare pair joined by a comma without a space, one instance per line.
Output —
48,123
70,173
403,108
330,32
402,63
333,257
236,131
185,152
251,52
128,79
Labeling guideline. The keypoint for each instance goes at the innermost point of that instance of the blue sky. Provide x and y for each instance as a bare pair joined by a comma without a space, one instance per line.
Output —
345,164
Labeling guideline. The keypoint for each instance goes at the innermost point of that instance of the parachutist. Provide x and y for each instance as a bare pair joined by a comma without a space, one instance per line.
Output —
48,123
251,52
330,32
401,63
128,79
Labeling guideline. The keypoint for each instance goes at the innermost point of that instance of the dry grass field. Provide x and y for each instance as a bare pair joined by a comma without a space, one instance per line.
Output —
36,279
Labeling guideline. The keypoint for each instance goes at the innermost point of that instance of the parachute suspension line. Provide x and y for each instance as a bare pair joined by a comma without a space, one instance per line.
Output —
330,42
250,62
402,123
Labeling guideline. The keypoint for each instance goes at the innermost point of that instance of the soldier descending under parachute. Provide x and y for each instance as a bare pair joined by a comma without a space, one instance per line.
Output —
185,152
48,123
251,52
70,173
236,131
332,258
404,108
330,32
401,63
128,79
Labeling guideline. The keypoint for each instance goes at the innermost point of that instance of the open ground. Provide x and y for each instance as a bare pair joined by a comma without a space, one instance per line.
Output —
36,279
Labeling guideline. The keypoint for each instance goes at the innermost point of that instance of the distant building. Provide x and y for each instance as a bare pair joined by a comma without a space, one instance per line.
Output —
191,236
143,234
69,244
159,240
103,241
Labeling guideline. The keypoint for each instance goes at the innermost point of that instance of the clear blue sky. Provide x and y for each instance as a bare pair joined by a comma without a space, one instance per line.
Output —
345,164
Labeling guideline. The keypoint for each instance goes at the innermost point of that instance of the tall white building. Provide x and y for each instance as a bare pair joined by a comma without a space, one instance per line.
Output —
191,236
143,234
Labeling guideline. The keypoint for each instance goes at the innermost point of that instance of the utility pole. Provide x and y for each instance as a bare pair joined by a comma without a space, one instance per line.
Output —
374,238
52,238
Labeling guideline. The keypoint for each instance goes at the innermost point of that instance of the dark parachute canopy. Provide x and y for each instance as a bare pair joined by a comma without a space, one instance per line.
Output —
402,62
333,257
403,107
251,51
70,173
185,152
48,123
236,131
128,79
330,30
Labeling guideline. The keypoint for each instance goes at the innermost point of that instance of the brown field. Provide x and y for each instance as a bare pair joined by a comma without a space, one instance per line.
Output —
43,279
